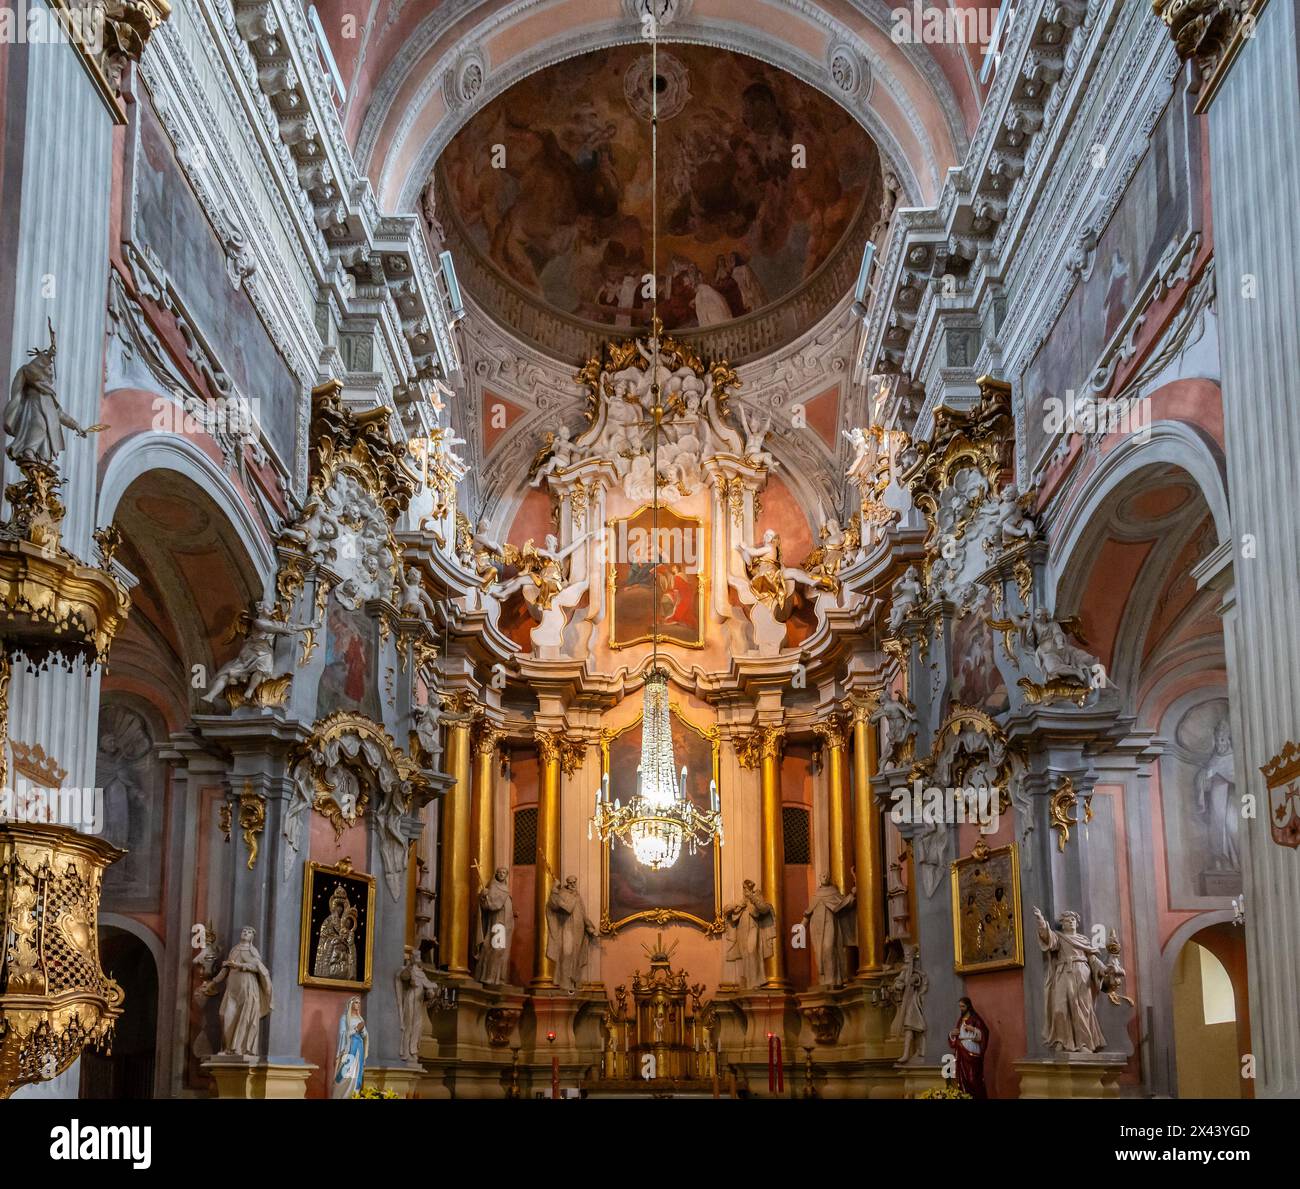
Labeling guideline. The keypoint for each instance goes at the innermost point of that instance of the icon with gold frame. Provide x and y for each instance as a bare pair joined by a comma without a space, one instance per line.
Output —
337,940
691,889
665,562
986,927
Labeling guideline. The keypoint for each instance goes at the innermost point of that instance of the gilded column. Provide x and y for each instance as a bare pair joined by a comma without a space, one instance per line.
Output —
866,841
835,741
453,912
548,850
773,845
483,847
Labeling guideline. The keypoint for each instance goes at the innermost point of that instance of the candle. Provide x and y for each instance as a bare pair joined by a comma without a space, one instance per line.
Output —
604,787
713,795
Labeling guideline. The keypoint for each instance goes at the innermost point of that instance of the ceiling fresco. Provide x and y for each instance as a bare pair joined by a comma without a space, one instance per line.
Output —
760,180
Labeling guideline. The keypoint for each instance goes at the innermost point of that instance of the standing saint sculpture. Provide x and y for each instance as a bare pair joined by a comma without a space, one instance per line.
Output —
569,932
34,420
1074,975
414,989
247,997
832,928
255,662
909,991
1216,781
968,1040
351,1052
493,927
751,935
336,944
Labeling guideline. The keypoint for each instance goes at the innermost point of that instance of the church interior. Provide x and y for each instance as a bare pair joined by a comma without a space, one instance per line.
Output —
650,549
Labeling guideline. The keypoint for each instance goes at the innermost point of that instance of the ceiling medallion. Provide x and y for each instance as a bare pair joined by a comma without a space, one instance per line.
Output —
661,73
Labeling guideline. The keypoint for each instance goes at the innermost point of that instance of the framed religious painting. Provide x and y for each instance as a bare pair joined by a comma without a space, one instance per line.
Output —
656,563
691,889
336,946
986,927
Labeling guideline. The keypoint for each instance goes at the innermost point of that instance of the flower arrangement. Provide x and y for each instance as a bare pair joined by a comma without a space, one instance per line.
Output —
367,1091
947,1090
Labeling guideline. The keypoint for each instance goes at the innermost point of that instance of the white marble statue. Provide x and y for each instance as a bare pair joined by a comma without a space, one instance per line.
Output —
316,531
494,926
1012,522
755,436
1215,788
861,470
832,928
750,936
255,662
1073,976
557,453
426,720
351,1051
909,991
1056,656
414,989
569,933
413,599
899,716
247,997
904,595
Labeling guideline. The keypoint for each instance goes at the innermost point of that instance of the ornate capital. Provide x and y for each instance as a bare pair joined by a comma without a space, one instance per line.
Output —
860,707
488,737
763,743
833,731
1205,31
109,35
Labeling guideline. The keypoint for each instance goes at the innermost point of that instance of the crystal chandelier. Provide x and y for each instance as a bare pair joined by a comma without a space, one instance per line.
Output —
660,818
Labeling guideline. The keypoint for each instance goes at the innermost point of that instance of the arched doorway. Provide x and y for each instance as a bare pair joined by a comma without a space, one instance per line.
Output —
127,1071
1211,1014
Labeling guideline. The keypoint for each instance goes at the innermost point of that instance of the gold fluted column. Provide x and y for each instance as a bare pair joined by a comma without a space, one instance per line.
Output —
453,901
773,846
866,841
835,741
548,851
487,740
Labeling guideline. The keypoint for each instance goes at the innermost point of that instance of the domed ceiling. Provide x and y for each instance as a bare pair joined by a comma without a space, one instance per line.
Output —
546,198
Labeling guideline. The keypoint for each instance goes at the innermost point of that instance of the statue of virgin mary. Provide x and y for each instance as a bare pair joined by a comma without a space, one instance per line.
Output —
353,1048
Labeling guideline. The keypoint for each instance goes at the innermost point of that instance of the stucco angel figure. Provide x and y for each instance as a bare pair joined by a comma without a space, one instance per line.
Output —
1012,521
247,998
861,469
316,531
541,576
426,720
414,989
821,568
905,593
1074,975
413,599
34,420
750,935
556,453
755,436
1056,656
766,573
256,660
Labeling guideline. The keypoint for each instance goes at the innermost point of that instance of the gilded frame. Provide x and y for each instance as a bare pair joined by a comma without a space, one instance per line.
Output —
662,916
1005,862
313,872
611,581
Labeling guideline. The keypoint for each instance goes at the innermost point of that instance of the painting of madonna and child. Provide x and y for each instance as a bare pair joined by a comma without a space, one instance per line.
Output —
656,579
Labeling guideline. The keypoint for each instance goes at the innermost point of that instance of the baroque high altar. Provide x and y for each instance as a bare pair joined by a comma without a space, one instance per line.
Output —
615,551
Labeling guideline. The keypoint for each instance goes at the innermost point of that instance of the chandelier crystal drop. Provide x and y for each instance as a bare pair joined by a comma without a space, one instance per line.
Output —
661,818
